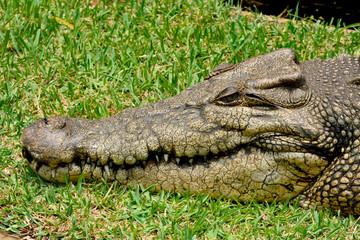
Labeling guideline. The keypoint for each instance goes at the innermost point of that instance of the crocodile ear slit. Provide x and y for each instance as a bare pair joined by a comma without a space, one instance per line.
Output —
224,67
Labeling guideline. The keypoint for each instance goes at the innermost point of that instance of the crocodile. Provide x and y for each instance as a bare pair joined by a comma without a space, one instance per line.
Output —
269,128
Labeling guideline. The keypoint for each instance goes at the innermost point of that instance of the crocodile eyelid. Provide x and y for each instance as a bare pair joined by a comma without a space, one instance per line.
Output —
253,96
229,96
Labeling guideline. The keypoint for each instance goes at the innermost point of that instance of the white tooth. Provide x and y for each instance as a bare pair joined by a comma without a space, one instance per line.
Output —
157,158
88,160
34,165
92,167
83,163
130,160
191,161
177,160
237,140
166,157
107,169
53,173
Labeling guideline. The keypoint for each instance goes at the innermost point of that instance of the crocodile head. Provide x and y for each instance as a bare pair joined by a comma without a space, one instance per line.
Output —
264,129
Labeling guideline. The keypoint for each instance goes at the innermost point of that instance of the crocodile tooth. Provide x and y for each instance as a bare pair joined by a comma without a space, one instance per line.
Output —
144,163
88,160
34,164
53,173
92,167
111,164
166,157
178,160
83,163
98,164
205,158
191,161
72,165
157,158
130,160
107,169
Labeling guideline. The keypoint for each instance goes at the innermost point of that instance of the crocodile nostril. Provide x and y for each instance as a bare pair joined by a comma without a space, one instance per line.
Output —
55,122
59,122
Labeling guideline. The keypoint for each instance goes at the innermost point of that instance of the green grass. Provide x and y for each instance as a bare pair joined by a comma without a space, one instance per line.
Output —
76,59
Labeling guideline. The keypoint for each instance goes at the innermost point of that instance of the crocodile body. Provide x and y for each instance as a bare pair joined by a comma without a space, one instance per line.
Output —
268,128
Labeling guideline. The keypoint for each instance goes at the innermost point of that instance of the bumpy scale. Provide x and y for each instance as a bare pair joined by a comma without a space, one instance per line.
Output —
268,128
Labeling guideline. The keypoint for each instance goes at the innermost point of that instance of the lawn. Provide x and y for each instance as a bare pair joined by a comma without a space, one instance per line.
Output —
91,59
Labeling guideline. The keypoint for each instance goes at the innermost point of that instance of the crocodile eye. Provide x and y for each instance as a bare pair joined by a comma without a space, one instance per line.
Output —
229,96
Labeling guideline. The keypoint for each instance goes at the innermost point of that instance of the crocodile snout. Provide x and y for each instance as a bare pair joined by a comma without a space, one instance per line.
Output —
47,141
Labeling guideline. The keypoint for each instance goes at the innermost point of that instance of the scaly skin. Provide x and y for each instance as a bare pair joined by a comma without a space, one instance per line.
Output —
268,128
